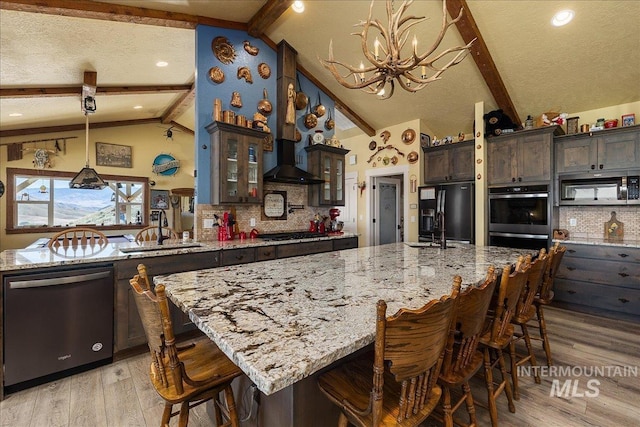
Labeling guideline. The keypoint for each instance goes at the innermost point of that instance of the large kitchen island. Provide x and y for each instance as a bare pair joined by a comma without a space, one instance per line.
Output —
282,322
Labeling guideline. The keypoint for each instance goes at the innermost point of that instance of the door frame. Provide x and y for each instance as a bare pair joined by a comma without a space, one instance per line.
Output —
397,182
370,174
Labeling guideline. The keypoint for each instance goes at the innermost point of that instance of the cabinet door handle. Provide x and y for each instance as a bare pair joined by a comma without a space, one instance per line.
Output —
571,292
623,255
593,167
573,251
571,268
519,179
623,275
623,300
267,253
239,257
513,180
601,166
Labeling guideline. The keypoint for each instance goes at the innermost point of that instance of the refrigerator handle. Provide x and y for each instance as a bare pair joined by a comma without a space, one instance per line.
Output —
442,200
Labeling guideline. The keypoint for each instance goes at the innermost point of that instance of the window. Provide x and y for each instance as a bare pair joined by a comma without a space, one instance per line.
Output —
39,199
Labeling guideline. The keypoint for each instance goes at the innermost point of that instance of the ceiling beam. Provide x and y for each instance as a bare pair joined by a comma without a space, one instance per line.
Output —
180,106
68,128
481,55
266,16
47,92
119,13
182,128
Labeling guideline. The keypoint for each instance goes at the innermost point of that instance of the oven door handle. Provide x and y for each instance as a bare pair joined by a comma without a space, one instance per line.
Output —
518,196
38,283
520,235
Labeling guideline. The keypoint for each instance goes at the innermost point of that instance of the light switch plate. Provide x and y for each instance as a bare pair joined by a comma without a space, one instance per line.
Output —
207,223
573,222
353,159
252,222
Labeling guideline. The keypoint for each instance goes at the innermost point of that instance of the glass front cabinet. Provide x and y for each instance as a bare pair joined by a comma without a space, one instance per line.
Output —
236,163
327,163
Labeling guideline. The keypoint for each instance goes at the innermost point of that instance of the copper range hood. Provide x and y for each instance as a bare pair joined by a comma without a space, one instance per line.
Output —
286,170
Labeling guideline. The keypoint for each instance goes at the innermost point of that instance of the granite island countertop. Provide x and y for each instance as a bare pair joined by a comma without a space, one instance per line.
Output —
282,321
40,256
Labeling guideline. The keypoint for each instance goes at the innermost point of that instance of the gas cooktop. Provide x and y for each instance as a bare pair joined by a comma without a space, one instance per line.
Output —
291,235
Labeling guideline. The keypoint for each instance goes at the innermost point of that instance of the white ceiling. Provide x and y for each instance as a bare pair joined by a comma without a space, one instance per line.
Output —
591,63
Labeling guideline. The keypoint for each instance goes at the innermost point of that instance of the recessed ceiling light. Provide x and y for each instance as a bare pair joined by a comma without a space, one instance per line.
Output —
15,115
162,64
298,6
562,18
138,107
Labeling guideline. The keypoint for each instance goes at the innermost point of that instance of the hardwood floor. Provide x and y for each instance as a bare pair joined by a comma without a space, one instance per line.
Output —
120,394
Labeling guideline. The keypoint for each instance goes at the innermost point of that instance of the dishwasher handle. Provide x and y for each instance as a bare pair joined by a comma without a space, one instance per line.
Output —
38,283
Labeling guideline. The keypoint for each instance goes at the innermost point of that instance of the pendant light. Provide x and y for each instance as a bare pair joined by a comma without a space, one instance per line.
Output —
87,178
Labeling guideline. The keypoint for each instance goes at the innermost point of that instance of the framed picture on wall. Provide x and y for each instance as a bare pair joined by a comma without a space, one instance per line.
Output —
628,120
159,199
113,155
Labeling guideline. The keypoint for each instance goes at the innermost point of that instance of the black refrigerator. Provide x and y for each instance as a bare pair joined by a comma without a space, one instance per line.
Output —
457,201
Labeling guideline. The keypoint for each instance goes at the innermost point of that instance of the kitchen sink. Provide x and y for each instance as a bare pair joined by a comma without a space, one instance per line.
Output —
160,248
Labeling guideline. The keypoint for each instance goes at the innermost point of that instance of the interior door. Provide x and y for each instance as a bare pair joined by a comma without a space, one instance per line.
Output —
387,210
350,211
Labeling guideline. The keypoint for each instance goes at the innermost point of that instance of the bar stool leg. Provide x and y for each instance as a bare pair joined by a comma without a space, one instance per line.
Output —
542,326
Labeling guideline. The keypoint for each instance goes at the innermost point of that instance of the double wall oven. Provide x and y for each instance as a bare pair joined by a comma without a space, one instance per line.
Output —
520,217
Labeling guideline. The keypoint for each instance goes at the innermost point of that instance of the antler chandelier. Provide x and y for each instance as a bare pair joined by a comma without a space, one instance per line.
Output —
387,64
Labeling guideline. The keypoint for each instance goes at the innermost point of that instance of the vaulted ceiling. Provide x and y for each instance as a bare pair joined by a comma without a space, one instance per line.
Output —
593,62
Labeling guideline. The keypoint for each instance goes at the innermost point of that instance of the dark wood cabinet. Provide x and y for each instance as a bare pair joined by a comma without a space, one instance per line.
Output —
128,326
605,150
601,280
236,159
326,163
521,157
449,163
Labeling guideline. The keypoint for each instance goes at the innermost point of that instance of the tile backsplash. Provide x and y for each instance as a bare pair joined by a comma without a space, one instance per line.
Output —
590,220
296,220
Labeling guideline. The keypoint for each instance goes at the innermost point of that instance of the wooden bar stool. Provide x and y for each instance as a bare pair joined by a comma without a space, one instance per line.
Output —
78,242
525,311
401,389
186,376
462,359
498,334
150,234
545,296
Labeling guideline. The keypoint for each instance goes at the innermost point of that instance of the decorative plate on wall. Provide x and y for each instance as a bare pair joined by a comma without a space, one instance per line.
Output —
216,75
408,136
223,50
412,157
373,145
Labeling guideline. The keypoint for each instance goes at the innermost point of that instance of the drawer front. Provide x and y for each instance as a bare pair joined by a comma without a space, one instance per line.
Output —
237,256
613,253
305,248
264,253
339,244
612,298
168,264
625,274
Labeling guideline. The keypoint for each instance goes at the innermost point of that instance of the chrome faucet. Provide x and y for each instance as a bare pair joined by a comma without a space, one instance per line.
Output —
161,238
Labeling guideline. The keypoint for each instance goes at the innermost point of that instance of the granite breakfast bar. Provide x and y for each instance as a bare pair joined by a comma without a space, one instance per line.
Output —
282,321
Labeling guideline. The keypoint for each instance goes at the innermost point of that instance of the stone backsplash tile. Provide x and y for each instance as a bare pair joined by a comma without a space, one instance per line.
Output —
296,220
590,220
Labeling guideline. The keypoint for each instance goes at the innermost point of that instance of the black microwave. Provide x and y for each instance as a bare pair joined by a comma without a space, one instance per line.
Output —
600,189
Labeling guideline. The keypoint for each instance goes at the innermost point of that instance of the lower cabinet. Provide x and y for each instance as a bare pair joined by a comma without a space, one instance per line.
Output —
600,279
128,326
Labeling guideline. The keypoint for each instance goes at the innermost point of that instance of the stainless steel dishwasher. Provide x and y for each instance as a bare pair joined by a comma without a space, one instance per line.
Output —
56,322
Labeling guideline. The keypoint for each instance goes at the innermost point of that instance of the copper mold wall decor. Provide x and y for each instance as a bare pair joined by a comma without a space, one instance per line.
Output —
216,75
236,100
223,50
251,50
245,73
264,70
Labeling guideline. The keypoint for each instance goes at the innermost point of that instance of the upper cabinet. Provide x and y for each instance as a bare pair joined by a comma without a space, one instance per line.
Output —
449,163
327,163
521,157
236,159
613,149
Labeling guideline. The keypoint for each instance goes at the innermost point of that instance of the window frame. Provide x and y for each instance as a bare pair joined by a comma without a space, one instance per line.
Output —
11,200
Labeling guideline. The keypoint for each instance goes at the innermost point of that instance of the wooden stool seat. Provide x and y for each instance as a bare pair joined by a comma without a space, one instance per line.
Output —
398,387
186,376
150,234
